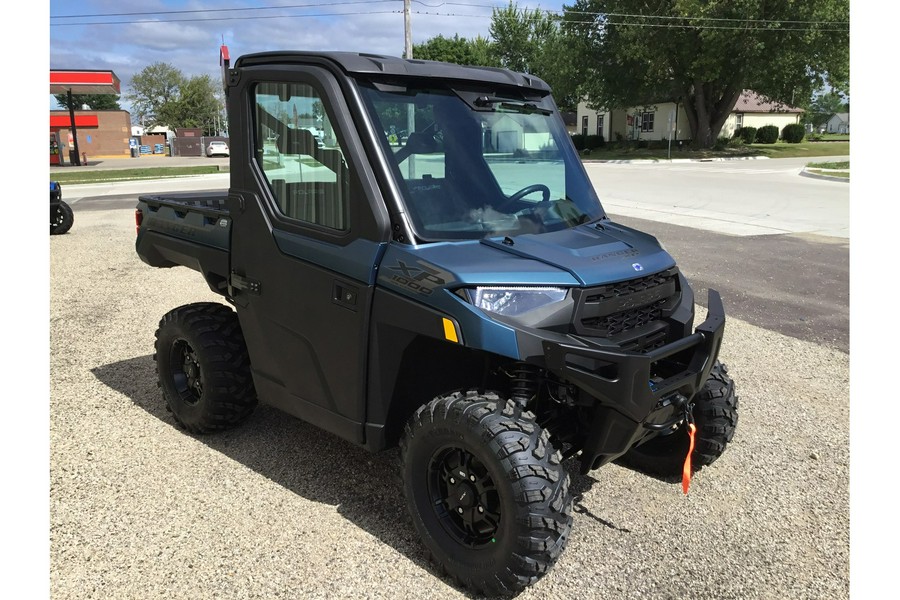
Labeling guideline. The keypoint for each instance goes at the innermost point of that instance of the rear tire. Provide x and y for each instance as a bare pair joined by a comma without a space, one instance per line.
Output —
715,415
203,367
62,221
486,490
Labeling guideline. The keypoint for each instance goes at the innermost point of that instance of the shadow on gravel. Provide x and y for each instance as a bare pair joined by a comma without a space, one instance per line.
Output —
581,484
366,488
674,480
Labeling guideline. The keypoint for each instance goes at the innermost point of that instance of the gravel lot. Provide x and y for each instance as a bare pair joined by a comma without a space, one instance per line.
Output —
279,509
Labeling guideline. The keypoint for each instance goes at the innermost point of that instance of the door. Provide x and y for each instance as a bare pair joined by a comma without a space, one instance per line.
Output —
309,228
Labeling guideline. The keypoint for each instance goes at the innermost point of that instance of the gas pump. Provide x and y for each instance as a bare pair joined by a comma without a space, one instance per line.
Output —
56,157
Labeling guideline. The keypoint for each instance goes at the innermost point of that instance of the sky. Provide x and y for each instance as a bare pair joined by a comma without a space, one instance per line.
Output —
134,34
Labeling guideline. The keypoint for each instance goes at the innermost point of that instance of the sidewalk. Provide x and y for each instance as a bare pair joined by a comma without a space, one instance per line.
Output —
144,162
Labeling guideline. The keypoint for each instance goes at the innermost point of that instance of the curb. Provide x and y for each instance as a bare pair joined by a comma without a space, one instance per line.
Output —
805,173
638,161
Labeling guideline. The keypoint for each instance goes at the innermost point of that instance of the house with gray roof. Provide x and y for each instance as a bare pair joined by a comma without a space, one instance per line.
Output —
838,123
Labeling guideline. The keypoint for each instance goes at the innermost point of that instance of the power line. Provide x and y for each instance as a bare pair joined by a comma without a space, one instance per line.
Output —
440,4
214,19
735,24
217,10
635,15
664,25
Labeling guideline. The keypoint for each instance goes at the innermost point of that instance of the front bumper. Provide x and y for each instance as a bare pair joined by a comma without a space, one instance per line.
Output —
630,405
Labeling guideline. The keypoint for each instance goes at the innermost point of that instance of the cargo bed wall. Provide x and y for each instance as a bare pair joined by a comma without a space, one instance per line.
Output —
191,230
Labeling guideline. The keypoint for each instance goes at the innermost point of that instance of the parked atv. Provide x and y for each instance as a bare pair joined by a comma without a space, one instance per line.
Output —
61,215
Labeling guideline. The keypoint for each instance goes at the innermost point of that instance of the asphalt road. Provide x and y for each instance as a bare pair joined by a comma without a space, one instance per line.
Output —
739,197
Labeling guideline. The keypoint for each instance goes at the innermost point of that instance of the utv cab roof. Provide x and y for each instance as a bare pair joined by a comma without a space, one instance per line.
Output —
391,66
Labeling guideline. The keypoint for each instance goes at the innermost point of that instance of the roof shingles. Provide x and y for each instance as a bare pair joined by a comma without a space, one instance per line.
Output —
751,102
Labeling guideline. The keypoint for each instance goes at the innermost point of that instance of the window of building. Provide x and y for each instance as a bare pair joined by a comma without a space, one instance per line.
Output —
599,124
584,125
647,121
739,120
301,157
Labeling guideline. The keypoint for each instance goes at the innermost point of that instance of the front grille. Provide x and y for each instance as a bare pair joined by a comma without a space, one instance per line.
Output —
626,320
629,313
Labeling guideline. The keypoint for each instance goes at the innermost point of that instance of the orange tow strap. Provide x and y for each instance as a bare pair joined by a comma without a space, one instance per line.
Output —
686,473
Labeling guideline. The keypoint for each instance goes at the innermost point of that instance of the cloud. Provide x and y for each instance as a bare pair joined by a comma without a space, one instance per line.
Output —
190,41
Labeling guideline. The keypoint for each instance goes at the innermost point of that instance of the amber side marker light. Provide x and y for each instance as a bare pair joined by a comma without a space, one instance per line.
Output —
138,219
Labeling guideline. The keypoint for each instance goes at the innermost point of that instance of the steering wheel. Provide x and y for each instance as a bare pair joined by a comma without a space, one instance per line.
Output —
534,187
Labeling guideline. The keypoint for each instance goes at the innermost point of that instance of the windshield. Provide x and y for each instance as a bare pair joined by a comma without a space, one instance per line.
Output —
473,164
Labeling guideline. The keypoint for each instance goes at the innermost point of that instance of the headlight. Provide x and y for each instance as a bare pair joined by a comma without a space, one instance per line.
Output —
514,301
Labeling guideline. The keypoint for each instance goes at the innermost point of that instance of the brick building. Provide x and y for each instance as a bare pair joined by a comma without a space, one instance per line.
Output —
101,133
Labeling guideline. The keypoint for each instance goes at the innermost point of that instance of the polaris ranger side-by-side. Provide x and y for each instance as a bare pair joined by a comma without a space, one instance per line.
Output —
434,270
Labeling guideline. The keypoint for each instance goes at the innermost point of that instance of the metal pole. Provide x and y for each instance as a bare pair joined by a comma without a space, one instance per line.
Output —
411,108
76,160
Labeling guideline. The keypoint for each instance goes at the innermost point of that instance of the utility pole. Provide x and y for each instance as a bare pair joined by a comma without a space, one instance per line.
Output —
407,27
410,108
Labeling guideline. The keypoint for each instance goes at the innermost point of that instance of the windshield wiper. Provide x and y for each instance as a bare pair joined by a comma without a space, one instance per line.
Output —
509,104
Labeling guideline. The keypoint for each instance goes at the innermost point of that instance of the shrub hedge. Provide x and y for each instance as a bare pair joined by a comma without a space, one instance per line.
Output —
793,133
747,134
767,134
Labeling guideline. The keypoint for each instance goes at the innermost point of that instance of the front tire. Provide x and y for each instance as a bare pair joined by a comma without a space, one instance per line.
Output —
715,415
203,367
486,490
62,221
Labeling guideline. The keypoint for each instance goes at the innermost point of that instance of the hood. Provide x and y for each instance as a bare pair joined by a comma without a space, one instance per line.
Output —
593,254
586,255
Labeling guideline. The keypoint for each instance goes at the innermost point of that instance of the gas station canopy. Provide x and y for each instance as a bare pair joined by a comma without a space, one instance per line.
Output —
76,83
84,82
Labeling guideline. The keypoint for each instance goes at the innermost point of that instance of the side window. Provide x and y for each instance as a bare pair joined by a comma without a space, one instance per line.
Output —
299,152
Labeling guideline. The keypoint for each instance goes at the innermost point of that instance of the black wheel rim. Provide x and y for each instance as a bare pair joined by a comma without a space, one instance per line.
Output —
464,497
186,373
59,217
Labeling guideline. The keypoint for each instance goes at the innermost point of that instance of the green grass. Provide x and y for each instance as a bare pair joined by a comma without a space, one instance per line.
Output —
803,149
843,164
830,137
777,150
843,174
101,176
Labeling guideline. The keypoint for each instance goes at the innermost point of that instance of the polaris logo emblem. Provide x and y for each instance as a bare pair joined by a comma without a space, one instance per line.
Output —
637,267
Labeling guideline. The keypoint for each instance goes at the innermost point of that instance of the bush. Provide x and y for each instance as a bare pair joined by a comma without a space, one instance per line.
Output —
594,141
578,140
767,134
721,143
748,134
793,133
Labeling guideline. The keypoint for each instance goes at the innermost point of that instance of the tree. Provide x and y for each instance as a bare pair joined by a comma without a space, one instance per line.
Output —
824,105
457,50
531,41
704,53
197,105
519,36
152,89
92,101
528,41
